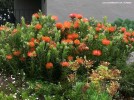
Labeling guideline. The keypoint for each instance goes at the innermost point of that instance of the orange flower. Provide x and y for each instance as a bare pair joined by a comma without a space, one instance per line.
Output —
76,24
64,64
54,18
67,24
46,39
75,35
31,44
111,29
76,42
123,29
132,33
83,47
67,41
36,15
96,52
14,31
9,57
85,20
59,25
98,29
31,54
38,26
16,53
73,15
105,42
70,36
125,40
127,34
80,60
1,28
49,65
70,57
79,16
99,25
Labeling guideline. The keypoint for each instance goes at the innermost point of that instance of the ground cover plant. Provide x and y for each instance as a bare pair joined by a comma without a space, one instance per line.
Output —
77,56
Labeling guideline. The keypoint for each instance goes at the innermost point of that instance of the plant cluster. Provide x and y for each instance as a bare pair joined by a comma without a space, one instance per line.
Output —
75,51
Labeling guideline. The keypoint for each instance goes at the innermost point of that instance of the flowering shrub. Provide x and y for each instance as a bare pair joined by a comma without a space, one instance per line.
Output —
45,46
69,52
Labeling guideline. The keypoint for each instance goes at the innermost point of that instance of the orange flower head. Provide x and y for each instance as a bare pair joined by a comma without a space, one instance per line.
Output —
49,65
9,57
132,33
46,39
123,29
64,64
59,25
79,16
98,29
76,24
96,52
85,20
68,41
80,60
38,26
31,54
128,34
67,25
111,29
15,31
77,42
31,44
70,58
32,39
36,15
75,35
70,36
73,15
16,53
54,18
99,25
105,42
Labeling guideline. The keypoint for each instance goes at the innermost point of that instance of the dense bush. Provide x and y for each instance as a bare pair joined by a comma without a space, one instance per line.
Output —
76,52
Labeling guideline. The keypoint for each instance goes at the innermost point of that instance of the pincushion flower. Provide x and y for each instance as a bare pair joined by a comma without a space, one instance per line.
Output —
70,58
105,42
123,29
31,44
46,39
98,29
9,57
76,42
80,60
111,29
14,31
67,25
16,53
38,26
31,54
49,65
79,16
76,24
64,64
59,25
54,17
36,15
128,34
73,15
96,52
